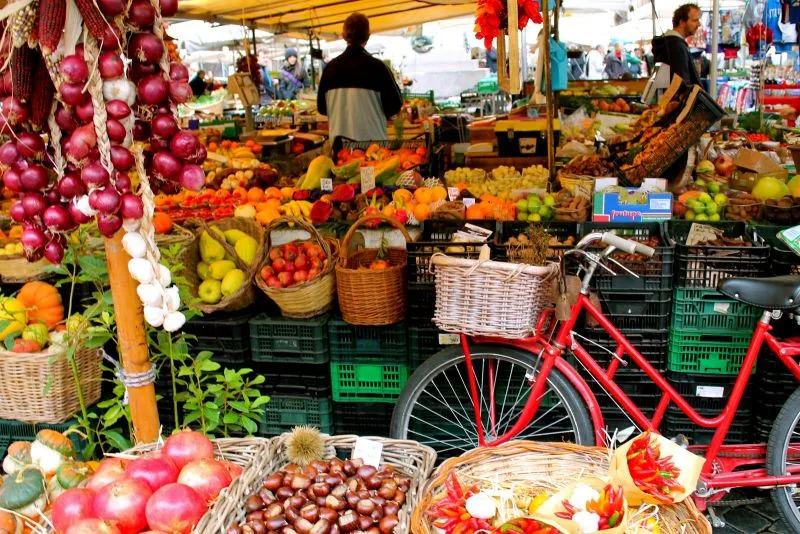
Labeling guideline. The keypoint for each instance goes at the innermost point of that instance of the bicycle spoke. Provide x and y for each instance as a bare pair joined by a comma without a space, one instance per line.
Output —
443,430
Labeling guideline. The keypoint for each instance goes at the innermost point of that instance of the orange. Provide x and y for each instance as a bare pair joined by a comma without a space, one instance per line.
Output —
273,192
255,194
267,216
423,195
287,192
388,210
439,193
261,206
240,192
422,212
234,145
402,195
475,212
212,147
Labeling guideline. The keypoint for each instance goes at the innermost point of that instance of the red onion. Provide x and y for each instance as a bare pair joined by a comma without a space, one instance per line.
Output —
52,196
139,70
57,218
79,50
77,215
17,211
145,47
8,153
12,180
85,134
7,82
141,130
166,166
54,251
73,94
71,186
110,65
34,204
74,69
192,177
76,151
34,178
186,147
157,144
164,126
85,111
122,182
169,8
111,38
121,158
94,174
152,89
116,131
14,111
33,239
65,119
131,206
30,145
108,224
105,200
178,72
117,109
111,8
180,91
141,14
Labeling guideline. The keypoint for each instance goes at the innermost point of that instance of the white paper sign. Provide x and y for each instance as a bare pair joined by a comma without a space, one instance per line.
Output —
452,193
710,392
367,179
369,451
468,202
326,184
449,339
721,307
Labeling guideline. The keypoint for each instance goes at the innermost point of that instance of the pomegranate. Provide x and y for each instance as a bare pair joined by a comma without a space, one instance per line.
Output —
207,477
110,470
93,526
123,502
186,446
72,506
175,508
156,472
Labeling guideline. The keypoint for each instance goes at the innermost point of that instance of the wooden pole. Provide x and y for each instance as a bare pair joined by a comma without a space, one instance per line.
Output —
132,341
547,66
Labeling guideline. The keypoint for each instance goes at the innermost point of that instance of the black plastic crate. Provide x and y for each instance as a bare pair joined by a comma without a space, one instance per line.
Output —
707,265
362,419
635,310
708,394
561,231
654,273
307,379
784,261
424,342
280,339
436,237
675,422
348,341
652,344
421,298
227,335
635,383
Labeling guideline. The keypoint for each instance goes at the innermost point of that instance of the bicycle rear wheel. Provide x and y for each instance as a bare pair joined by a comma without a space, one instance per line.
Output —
435,408
783,452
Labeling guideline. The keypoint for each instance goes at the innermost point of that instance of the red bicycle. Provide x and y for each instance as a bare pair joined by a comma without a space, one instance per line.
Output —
486,391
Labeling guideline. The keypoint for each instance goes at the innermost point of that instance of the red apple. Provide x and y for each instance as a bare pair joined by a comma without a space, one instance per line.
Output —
266,272
286,279
313,273
301,262
290,251
275,253
316,263
300,276
274,282
289,267
279,265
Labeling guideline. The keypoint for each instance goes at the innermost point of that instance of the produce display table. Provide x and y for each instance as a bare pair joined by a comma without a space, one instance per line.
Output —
491,160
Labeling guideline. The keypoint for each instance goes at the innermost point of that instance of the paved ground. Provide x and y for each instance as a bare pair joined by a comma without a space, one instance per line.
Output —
755,518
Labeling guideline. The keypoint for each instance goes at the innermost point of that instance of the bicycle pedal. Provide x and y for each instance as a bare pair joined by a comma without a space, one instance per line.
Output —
681,440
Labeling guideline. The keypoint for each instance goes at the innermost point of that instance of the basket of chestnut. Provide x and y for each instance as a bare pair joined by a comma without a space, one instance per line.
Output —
314,485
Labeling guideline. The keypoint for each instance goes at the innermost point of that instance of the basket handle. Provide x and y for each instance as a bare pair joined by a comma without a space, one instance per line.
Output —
351,232
229,249
315,235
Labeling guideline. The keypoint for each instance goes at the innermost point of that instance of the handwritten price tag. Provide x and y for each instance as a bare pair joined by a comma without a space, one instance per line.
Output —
369,451
452,193
468,202
367,179
326,184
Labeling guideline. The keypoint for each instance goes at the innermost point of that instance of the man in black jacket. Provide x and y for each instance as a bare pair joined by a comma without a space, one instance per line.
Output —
357,91
671,48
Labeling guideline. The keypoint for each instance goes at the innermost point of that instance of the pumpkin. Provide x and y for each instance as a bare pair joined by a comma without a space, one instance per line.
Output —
24,493
42,302
162,223
18,456
9,524
15,233
70,474
50,449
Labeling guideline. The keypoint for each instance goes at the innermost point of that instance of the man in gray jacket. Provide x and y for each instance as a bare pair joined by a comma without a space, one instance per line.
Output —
357,91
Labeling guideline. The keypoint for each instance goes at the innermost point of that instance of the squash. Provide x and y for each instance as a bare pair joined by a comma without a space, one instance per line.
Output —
18,456
9,523
50,449
385,169
70,474
24,493
42,302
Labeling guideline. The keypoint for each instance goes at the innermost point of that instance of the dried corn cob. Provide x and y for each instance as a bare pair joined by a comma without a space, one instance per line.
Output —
24,61
22,24
94,21
50,24
42,98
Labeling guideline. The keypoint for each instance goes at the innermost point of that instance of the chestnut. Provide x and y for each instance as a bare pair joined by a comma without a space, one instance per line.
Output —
378,500
377,514
273,510
303,526
235,529
320,478
258,515
339,491
366,471
321,527
335,503
284,492
348,521
300,482
310,471
348,468
310,512
297,501
386,469
336,466
373,482
288,478
335,529
247,529
258,527
320,501
291,514
364,522
288,530
267,496
276,523
403,482
400,497
333,479
357,462
391,508
328,514
363,494
253,503
319,489
320,466
351,498
365,507
373,530
273,482
388,524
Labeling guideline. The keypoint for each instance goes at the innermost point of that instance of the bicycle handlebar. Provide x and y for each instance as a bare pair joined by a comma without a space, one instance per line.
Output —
626,245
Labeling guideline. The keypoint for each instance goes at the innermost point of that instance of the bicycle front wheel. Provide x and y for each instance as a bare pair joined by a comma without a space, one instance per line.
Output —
436,409
783,453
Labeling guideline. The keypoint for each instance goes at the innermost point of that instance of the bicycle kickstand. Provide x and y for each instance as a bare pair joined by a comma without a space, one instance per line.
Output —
716,521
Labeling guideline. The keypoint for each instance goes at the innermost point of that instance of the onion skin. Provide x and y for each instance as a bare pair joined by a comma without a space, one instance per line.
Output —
153,89
146,48
111,65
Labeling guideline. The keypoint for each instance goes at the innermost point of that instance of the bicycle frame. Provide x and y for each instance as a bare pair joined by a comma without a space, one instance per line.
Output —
718,474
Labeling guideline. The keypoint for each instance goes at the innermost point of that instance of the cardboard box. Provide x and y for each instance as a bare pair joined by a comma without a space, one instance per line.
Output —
606,207
753,165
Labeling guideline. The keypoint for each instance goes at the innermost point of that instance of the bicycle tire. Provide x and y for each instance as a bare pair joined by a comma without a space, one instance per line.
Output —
783,428
447,359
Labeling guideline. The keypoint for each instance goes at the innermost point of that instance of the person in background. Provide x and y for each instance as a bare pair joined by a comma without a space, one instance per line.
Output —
614,66
357,92
267,89
650,61
293,76
633,62
671,48
491,60
199,84
595,63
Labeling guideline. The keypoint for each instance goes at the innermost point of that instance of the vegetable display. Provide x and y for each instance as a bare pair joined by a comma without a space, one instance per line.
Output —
653,473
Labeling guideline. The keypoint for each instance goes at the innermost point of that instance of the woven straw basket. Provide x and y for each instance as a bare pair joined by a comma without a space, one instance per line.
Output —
15,269
372,297
40,388
540,467
246,295
311,298
482,297
408,457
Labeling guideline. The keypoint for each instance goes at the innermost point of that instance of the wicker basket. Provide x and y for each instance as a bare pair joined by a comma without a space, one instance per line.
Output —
571,181
15,269
408,457
178,236
372,297
311,298
40,388
542,467
246,295
482,297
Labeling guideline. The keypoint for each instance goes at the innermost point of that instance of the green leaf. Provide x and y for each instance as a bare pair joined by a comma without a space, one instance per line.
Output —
249,425
259,402
117,440
258,379
239,405
209,366
191,417
230,418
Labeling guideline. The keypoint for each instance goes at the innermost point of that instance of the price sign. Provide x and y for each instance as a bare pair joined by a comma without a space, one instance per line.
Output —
369,451
468,202
452,193
326,184
367,179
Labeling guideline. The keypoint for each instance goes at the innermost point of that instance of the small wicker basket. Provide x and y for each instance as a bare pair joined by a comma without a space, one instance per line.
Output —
15,269
540,467
409,457
246,295
312,298
490,298
367,296
39,387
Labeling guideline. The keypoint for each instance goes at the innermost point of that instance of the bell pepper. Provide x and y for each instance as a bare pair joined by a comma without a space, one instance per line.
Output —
320,212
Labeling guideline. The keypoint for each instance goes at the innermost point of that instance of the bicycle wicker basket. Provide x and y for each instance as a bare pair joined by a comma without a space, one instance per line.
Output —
491,298
408,457
535,467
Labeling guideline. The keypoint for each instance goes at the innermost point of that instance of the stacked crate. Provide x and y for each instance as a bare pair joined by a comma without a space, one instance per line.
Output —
710,333
11,431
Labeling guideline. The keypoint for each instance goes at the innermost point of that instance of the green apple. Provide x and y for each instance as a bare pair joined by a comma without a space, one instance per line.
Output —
714,217
533,200
534,217
546,212
699,208
210,291
690,215
522,216
700,182
701,217
713,188
549,201
711,209
705,198
720,199
522,205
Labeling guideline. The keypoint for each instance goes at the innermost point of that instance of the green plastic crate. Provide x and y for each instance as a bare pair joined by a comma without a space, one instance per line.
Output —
12,431
280,339
375,381
488,85
427,95
711,311
348,341
282,414
695,351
